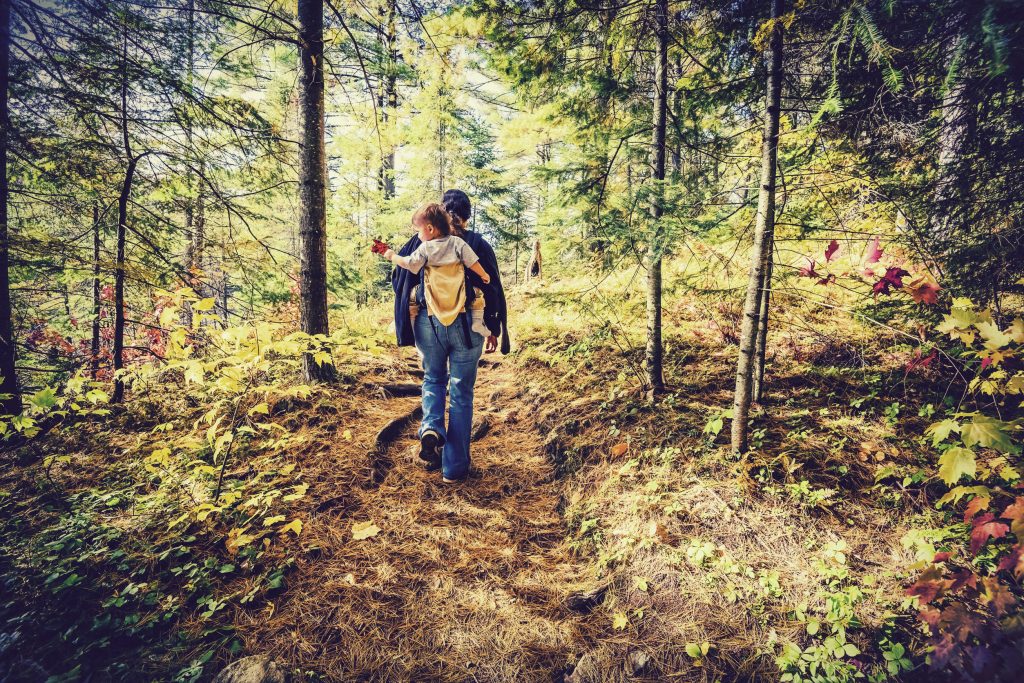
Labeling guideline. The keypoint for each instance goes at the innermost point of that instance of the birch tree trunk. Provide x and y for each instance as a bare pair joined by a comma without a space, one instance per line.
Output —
312,184
8,374
763,232
655,379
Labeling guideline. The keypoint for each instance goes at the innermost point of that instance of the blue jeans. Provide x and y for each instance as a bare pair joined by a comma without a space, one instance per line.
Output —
449,367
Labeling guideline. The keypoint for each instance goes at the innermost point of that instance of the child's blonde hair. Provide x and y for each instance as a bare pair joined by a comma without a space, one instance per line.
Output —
435,215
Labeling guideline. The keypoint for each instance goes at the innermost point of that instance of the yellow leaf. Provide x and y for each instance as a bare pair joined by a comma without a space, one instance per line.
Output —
640,583
271,521
347,435
619,450
295,526
300,491
364,530
203,304
259,409
620,621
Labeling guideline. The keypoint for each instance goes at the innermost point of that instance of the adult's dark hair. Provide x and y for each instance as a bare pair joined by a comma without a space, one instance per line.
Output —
456,203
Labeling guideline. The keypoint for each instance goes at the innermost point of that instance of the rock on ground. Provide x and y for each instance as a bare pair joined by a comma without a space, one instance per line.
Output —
255,669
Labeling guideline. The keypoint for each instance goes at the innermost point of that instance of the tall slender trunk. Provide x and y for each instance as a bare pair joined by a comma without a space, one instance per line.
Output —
655,379
388,101
94,346
11,405
313,185
763,231
122,225
762,320
195,224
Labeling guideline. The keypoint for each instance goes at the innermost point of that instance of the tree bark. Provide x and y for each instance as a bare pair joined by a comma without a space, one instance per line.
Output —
312,184
655,379
763,231
11,405
762,320
94,346
953,132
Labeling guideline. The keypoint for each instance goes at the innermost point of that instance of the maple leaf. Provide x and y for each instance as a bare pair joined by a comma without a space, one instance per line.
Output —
1013,562
1015,513
956,462
923,290
926,591
893,278
874,251
930,616
996,595
831,250
808,270
988,433
919,361
977,504
960,621
963,578
985,527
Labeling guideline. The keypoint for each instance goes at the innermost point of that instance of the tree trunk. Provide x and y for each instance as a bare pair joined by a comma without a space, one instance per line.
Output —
312,185
10,402
94,346
122,225
762,320
953,132
763,230
655,380
194,209
388,100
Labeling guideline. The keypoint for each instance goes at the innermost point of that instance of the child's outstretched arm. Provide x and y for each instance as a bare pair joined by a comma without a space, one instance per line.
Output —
479,270
413,262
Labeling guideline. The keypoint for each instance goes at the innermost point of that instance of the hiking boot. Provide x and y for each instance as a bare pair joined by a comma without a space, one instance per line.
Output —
431,444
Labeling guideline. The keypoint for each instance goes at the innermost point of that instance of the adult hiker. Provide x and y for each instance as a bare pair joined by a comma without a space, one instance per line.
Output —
450,352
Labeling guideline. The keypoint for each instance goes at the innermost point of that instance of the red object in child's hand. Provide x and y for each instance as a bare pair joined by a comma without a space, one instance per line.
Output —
379,247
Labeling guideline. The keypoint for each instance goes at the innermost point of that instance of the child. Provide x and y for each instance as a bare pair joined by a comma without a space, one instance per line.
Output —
444,256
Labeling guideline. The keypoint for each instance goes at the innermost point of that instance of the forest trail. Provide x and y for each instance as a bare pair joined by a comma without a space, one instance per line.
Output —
463,582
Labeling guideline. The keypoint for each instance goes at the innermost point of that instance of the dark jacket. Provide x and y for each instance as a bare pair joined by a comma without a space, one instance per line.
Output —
495,310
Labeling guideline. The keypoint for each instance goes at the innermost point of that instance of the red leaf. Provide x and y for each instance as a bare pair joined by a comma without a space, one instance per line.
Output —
977,504
826,280
930,616
874,252
893,278
985,528
808,271
961,621
926,591
1015,513
831,250
986,361
996,595
919,361
962,578
941,557
1013,562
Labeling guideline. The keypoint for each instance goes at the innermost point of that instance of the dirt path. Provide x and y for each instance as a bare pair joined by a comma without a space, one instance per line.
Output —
464,582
